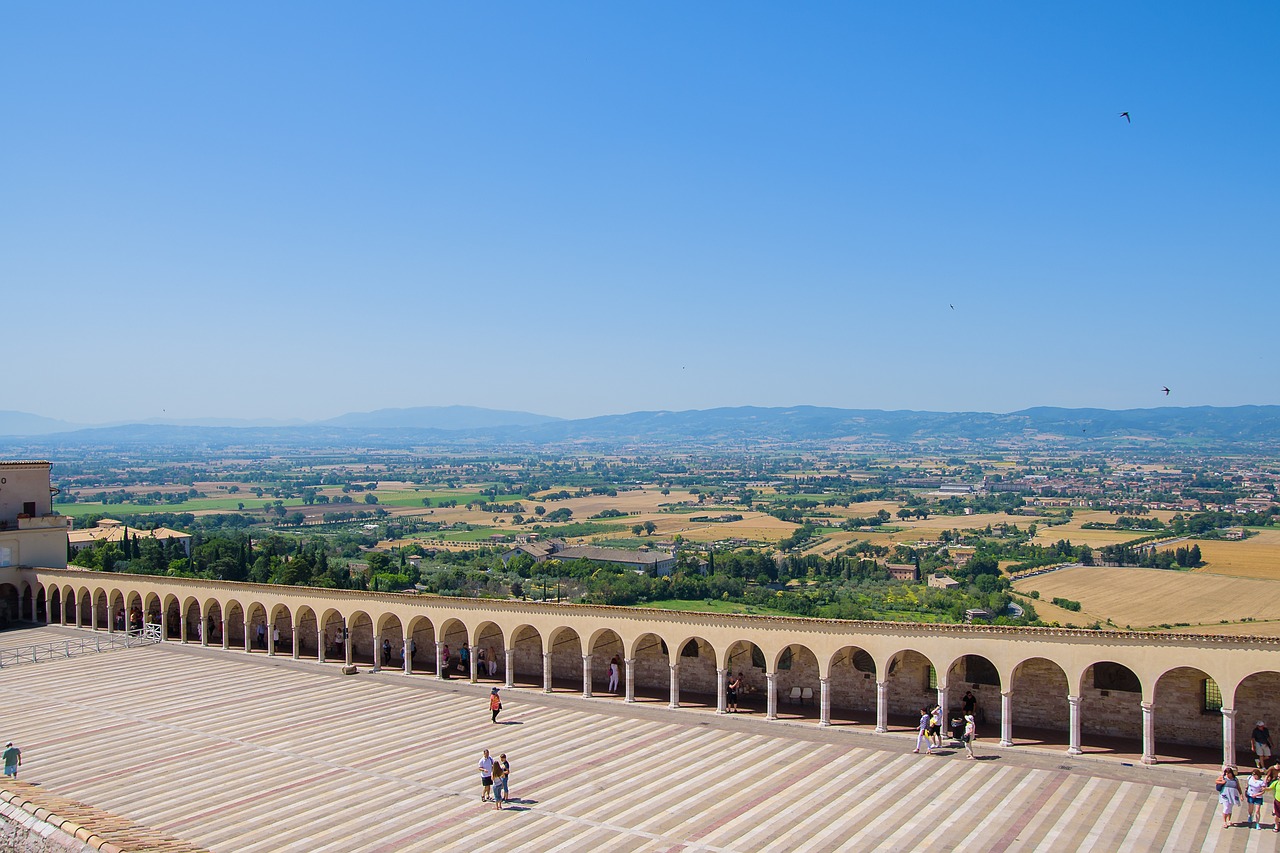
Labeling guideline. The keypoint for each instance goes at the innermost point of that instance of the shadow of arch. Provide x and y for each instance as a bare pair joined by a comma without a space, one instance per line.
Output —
1111,708
565,646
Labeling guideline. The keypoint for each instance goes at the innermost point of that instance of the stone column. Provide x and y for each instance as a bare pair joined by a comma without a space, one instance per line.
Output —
675,686
320,643
631,679
348,647
294,633
248,636
1229,736
510,674
942,706
722,678
586,676
204,630
226,641
1148,733
771,696
48,608
546,672
93,614
1006,718
440,662
377,653
1073,737
882,707
824,701
270,635
407,663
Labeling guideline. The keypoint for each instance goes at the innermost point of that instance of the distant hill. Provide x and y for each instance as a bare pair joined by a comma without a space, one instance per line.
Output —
438,417
1204,428
21,423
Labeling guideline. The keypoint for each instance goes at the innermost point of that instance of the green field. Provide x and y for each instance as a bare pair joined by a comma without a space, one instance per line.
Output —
413,497
714,606
251,503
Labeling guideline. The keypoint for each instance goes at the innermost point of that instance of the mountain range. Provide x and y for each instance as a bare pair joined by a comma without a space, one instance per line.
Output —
1253,427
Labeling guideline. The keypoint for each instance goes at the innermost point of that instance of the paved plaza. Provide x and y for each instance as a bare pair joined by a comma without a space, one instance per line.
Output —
240,753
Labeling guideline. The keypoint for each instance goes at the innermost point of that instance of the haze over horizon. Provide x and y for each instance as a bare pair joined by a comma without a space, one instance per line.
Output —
295,212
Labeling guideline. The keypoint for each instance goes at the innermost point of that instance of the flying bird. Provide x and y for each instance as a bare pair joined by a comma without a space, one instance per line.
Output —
1125,116
1165,389
952,306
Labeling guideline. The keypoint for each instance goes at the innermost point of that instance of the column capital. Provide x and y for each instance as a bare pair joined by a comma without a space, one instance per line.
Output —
1148,706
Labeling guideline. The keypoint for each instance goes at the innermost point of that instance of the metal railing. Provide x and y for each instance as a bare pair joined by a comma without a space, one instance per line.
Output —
145,636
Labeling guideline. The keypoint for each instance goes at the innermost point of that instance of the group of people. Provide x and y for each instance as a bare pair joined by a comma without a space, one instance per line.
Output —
1265,776
495,777
964,728
486,661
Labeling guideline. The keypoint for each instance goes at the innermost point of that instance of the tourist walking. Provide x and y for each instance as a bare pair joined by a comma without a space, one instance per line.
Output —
922,733
486,776
464,660
970,729
262,635
1260,741
386,652
1228,794
731,693
1254,787
493,662
613,675
935,726
444,661
495,704
12,760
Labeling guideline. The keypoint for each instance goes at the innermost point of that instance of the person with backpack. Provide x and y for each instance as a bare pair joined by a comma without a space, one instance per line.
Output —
495,704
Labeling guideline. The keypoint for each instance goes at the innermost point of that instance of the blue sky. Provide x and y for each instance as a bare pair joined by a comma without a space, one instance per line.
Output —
297,210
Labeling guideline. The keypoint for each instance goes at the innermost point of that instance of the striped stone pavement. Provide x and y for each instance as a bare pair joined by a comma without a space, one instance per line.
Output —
244,754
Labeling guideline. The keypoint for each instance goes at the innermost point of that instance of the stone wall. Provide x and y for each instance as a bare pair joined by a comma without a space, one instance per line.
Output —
1112,713
1040,696
1257,698
1179,715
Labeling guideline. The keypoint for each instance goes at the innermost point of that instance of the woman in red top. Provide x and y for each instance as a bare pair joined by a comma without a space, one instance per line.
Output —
495,704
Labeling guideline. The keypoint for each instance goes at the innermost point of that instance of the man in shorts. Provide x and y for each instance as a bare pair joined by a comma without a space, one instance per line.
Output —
486,776
12,759
1261,742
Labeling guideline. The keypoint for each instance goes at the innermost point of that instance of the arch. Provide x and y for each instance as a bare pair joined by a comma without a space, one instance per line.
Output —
487,645
912,684
422,645
42,604
84,598
67,616
976,676
171,617
745,658
651,668
1253,699
1111,705
133,610
10,605
256,622
26,610
332,624
565,646
852,674
306,629
101,611
280,630
360,637
234,621
697,661
1041,713
798,681
389,641
1179,711
153,610
453,634
192,628
118,613
526,658
212,630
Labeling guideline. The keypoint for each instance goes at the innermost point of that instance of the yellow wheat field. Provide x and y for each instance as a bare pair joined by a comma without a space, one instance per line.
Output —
1145,597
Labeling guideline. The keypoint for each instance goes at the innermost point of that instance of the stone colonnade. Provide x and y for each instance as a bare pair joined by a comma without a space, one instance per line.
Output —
1159,688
